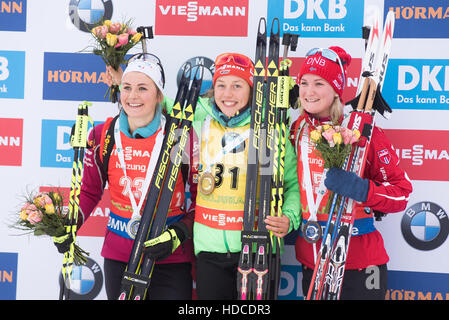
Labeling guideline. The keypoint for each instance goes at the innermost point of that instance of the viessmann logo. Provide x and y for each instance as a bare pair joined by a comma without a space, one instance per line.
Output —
423,154
202,17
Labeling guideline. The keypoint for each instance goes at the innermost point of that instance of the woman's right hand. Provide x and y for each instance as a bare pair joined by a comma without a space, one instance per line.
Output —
113,77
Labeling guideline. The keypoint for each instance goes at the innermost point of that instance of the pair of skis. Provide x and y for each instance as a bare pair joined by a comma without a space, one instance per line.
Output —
329,270
137,277
266,152
78,141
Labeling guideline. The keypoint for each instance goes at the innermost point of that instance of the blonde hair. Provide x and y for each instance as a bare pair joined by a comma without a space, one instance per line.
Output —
336,109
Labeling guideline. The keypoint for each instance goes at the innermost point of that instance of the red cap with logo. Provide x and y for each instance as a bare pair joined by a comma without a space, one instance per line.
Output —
234,64
331,64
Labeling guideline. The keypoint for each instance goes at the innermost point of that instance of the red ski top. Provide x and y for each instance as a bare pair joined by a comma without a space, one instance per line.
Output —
116,246
389,190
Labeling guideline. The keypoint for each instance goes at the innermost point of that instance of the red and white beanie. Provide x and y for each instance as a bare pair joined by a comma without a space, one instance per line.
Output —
328,69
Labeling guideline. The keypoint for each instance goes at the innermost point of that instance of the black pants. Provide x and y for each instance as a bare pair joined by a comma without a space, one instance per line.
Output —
364,284
216,276
172,281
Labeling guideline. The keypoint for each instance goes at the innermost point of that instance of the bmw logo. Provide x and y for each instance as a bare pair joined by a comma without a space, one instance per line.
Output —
209,69
85,14
86,282
425,226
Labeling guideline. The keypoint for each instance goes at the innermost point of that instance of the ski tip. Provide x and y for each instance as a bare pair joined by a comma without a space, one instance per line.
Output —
387,115
262,28
199,72
187,68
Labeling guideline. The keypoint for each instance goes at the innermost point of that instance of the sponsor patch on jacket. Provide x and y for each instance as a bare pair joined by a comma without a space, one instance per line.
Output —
384,156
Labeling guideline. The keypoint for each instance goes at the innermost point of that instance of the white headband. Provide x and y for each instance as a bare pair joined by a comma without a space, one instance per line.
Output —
149,68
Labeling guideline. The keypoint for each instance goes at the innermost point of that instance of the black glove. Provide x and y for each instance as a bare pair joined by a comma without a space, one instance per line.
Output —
161,247
63,242
293,96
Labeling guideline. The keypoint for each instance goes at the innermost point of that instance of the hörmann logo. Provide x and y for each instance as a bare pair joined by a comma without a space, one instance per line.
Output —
74,76
202,17
419,18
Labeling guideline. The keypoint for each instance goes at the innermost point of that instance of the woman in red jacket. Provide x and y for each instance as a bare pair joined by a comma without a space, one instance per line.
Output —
383,186
138,132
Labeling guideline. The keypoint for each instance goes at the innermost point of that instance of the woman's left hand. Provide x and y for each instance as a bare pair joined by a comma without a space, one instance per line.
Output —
278,225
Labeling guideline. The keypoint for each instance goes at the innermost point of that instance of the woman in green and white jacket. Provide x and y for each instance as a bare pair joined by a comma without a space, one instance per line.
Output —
217,177
219,154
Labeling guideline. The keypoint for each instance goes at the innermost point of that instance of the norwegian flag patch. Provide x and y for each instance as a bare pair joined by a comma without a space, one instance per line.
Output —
384,156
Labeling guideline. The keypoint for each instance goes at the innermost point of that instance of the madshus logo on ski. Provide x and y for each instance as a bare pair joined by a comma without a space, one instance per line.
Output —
13,15
85,13
419,18
195,62
86,282
318,18
425,225
12,74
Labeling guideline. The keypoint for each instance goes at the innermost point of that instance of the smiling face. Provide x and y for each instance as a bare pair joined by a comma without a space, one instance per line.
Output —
231,94
316,95
139,98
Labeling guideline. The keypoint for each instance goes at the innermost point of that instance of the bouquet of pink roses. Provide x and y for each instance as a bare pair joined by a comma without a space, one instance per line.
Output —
113,40
334,143
44,214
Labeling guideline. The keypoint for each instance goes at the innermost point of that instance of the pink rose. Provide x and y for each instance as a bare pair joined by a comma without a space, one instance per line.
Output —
122,40
115,27
35,217
44,199
349,136
100,31
346,135
29,207
328,134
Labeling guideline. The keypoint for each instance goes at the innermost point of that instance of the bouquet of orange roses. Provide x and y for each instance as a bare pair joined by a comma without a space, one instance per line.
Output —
45,214
112,42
